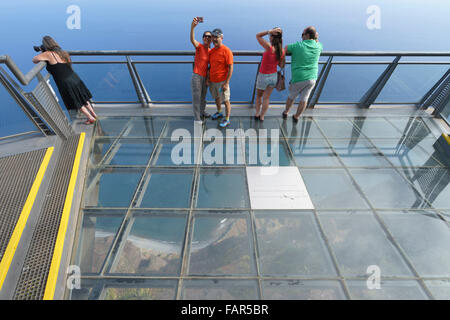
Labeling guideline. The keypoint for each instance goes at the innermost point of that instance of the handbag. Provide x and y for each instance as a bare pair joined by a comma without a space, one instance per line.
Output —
280,86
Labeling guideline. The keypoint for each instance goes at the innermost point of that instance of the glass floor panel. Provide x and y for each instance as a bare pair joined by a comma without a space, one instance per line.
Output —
166,213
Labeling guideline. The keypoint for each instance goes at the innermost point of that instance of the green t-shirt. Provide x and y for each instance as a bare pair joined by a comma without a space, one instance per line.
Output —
305,58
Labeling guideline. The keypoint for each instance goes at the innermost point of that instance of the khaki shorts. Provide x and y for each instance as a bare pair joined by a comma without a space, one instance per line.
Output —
216,91
302,88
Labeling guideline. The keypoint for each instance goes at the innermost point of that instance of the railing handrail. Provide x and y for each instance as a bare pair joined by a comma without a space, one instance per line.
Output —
24,79
255,53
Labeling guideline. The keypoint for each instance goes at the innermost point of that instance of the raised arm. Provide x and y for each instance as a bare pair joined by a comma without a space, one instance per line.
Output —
194,42
264,43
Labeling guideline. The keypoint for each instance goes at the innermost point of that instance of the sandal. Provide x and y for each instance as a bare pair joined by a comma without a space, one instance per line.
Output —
294,118
90,121
284,115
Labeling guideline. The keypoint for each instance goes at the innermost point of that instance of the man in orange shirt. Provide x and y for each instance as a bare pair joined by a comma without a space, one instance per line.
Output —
198,82
221,69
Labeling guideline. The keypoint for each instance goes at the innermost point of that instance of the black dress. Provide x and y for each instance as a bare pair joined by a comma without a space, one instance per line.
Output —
73,91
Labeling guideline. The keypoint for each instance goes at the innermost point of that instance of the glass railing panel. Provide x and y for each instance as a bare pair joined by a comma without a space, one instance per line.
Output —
14,120
410,82
166,82
107,82
348,83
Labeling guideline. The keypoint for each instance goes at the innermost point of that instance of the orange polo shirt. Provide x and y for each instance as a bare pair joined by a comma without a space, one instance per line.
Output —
219,61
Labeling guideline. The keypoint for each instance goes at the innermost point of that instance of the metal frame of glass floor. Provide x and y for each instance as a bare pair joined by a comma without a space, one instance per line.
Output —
151,229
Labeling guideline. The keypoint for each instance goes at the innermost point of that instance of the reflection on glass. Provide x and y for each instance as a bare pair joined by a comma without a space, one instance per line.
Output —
348,83
111,126
409,83
291,245
153,246
222,188
358,241
145,127
305,128
337,128
412,128
302,290
98,233
313,153
389,290
405,153
429,255
376,128
359,153
108,82
221,245
433,183
332,189
219,289
385,188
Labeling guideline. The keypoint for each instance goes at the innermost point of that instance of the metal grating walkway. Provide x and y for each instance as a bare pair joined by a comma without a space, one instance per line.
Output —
32,281
17,174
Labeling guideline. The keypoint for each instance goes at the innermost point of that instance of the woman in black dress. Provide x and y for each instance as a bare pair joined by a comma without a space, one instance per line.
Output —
73,91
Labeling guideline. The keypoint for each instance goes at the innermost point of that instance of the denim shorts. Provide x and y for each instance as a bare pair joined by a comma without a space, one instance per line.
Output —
266,80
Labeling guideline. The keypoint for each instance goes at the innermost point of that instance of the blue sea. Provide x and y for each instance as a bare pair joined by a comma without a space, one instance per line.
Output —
347,25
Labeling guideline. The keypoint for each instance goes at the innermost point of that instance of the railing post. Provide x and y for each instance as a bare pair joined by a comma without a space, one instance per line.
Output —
371,95
252,102
133,76
144,91
320,83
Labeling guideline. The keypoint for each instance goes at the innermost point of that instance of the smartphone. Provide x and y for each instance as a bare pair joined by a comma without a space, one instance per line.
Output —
200,19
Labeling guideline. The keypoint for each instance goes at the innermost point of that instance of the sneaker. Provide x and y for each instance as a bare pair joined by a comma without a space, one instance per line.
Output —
217,115
225,123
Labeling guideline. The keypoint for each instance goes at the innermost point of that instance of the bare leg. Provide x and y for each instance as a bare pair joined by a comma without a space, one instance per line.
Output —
91,109
289,103
227,109
259,94
87,113
218,105
266,101
300,109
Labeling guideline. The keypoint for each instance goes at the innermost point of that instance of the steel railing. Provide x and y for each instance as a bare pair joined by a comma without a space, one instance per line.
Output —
366,100
45,107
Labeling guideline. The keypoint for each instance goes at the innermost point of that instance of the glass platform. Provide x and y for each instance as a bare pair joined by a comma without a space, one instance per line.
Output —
150,228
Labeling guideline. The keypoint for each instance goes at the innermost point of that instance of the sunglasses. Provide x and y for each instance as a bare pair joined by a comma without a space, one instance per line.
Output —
207,36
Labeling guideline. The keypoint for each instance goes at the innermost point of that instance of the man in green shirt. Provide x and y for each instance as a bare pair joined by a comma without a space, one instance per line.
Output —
304,68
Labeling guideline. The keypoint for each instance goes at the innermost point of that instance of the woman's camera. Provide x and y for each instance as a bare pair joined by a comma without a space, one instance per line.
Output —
39,48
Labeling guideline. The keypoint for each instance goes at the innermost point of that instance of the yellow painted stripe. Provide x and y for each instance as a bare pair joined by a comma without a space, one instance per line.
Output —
446,137
21,223
58,250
